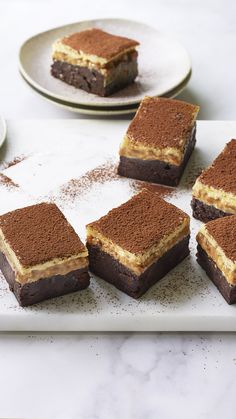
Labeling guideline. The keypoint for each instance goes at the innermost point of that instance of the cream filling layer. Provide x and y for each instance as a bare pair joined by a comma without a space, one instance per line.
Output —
75,57
139,151
57,266
216,253
138,262
224,201
110,74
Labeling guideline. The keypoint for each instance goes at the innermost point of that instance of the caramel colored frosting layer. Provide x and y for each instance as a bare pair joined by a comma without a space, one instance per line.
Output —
220,199
214,240
93,46
66,54
161,126
140,261
169,155
140,231
56,266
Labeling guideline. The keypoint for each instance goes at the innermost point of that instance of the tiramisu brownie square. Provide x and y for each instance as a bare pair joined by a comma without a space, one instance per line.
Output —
159,141
95,61
41,256
214,192
136,244
217,254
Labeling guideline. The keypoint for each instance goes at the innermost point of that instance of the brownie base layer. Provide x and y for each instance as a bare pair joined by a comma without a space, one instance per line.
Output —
156,171
43,289
228,291
204,212
92,81
112,271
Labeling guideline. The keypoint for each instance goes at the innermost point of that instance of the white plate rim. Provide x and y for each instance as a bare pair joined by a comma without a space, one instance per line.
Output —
96,104
97,112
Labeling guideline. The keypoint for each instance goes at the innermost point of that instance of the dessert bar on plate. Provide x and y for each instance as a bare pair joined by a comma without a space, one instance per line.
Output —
214,192
159,141
136,244
95,61
217,254
41,256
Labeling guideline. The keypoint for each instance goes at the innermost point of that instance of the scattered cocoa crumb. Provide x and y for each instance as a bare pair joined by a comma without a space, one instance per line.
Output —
105,173
16,160
100,174
162,190
6,181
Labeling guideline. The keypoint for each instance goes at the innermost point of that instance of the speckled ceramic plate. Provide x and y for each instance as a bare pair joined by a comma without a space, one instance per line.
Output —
3,131
105,111
184,300
163,64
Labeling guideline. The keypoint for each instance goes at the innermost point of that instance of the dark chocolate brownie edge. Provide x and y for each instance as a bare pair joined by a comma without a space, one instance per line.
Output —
43,289
112,271
214,273
92,81
156,171
204,212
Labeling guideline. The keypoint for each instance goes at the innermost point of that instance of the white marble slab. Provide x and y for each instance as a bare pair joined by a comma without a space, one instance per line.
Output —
114,376
56,151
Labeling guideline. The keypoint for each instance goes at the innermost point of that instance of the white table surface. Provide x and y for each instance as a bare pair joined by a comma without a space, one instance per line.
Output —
113,376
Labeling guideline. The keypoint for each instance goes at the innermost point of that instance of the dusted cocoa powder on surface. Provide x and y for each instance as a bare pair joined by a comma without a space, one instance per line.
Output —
105,173
13,162
7,182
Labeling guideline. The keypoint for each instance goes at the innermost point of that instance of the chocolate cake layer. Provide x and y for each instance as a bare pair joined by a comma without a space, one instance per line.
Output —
204,212
92,81
156,171
43,289
228,291
112,271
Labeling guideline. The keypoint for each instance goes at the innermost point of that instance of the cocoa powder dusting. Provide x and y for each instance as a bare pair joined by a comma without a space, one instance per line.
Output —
221,174
162,122
16,160
97,42
223,230
140,222
40,233
162,190
100,174
7,182
105,173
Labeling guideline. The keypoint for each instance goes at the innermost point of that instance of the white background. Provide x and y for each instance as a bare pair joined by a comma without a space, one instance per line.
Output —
113,376
205,27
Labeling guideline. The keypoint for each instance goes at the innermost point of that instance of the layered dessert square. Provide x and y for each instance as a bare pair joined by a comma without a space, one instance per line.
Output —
159,141
95,61
217,254
41,256
138,243
214,192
